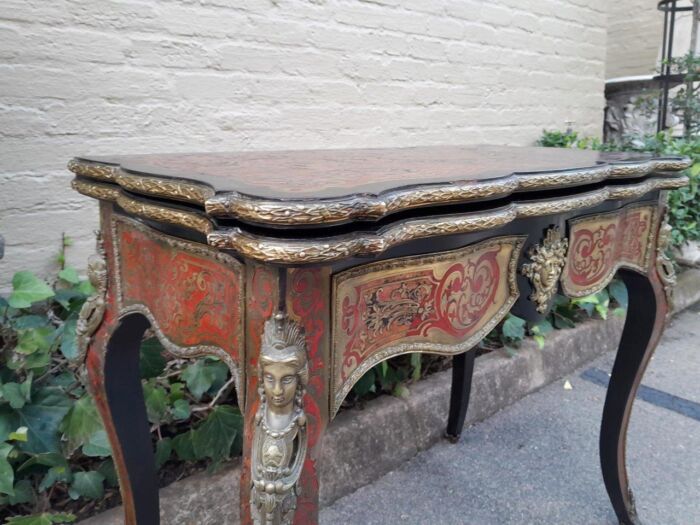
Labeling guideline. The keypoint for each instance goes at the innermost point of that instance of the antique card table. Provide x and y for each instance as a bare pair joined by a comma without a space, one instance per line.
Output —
302,270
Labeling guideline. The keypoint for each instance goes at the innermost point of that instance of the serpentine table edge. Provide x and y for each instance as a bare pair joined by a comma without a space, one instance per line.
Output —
299,315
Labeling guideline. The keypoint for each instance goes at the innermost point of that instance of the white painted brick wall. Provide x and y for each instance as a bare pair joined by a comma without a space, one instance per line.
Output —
81,76
635,28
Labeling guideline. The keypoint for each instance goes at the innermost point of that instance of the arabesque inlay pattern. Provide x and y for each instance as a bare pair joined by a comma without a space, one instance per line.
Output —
440,303
600,244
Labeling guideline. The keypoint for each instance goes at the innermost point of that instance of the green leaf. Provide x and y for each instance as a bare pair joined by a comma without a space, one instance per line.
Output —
184,447
98,445
402,391
7,474
27,289
47,459
79,424
156,403
24,493
539,339
35,519
38,360
152,360
416,366
542,327
42,418
602,310
85,288
26,322
384,369
54,475
35,339
177,391
63,517
88,485
220,373
618,291
9,421
15,394
214,437
70,275
107,469
514,328
164,449
65,380
181,409
69,341
41,519
70,298
204,376
561,321
365,383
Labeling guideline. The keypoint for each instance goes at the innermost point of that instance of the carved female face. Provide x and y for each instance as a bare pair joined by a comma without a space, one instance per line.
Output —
550,274
280,381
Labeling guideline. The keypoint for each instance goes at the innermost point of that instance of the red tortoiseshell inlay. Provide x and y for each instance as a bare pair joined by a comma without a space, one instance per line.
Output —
600,244
435,303
193,292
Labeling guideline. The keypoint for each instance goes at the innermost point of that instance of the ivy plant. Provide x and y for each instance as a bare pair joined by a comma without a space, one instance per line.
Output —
54,453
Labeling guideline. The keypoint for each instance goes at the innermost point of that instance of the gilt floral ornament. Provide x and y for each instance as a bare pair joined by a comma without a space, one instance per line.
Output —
664,265
279,438
548,260
93,309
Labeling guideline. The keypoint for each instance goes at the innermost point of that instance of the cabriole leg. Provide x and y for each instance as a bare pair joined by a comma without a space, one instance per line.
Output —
115,382
645,321
462,372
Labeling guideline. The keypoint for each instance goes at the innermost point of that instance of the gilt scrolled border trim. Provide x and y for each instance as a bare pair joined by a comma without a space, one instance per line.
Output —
290,251
96,190
374,207
143,209
361,206
154,212
176,189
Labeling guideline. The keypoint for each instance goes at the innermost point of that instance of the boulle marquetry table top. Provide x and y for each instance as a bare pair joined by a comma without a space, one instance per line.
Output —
303,269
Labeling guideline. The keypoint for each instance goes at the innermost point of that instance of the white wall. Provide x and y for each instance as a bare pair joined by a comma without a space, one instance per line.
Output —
635,28
100,76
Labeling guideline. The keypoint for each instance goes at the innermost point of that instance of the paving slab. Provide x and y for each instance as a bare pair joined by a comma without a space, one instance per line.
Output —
536,462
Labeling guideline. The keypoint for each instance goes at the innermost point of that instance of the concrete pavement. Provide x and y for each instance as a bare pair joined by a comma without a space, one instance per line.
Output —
536,462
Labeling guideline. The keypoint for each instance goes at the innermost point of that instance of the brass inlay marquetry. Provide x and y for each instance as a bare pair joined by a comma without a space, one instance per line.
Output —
442,303
128,305
601,244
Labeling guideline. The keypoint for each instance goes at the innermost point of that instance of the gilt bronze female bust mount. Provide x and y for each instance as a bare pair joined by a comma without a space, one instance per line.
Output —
279,440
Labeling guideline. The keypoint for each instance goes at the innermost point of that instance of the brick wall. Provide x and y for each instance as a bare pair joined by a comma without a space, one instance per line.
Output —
635,28
144,76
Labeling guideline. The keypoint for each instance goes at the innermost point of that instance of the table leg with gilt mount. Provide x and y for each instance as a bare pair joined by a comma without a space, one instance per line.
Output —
300,302
650,300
